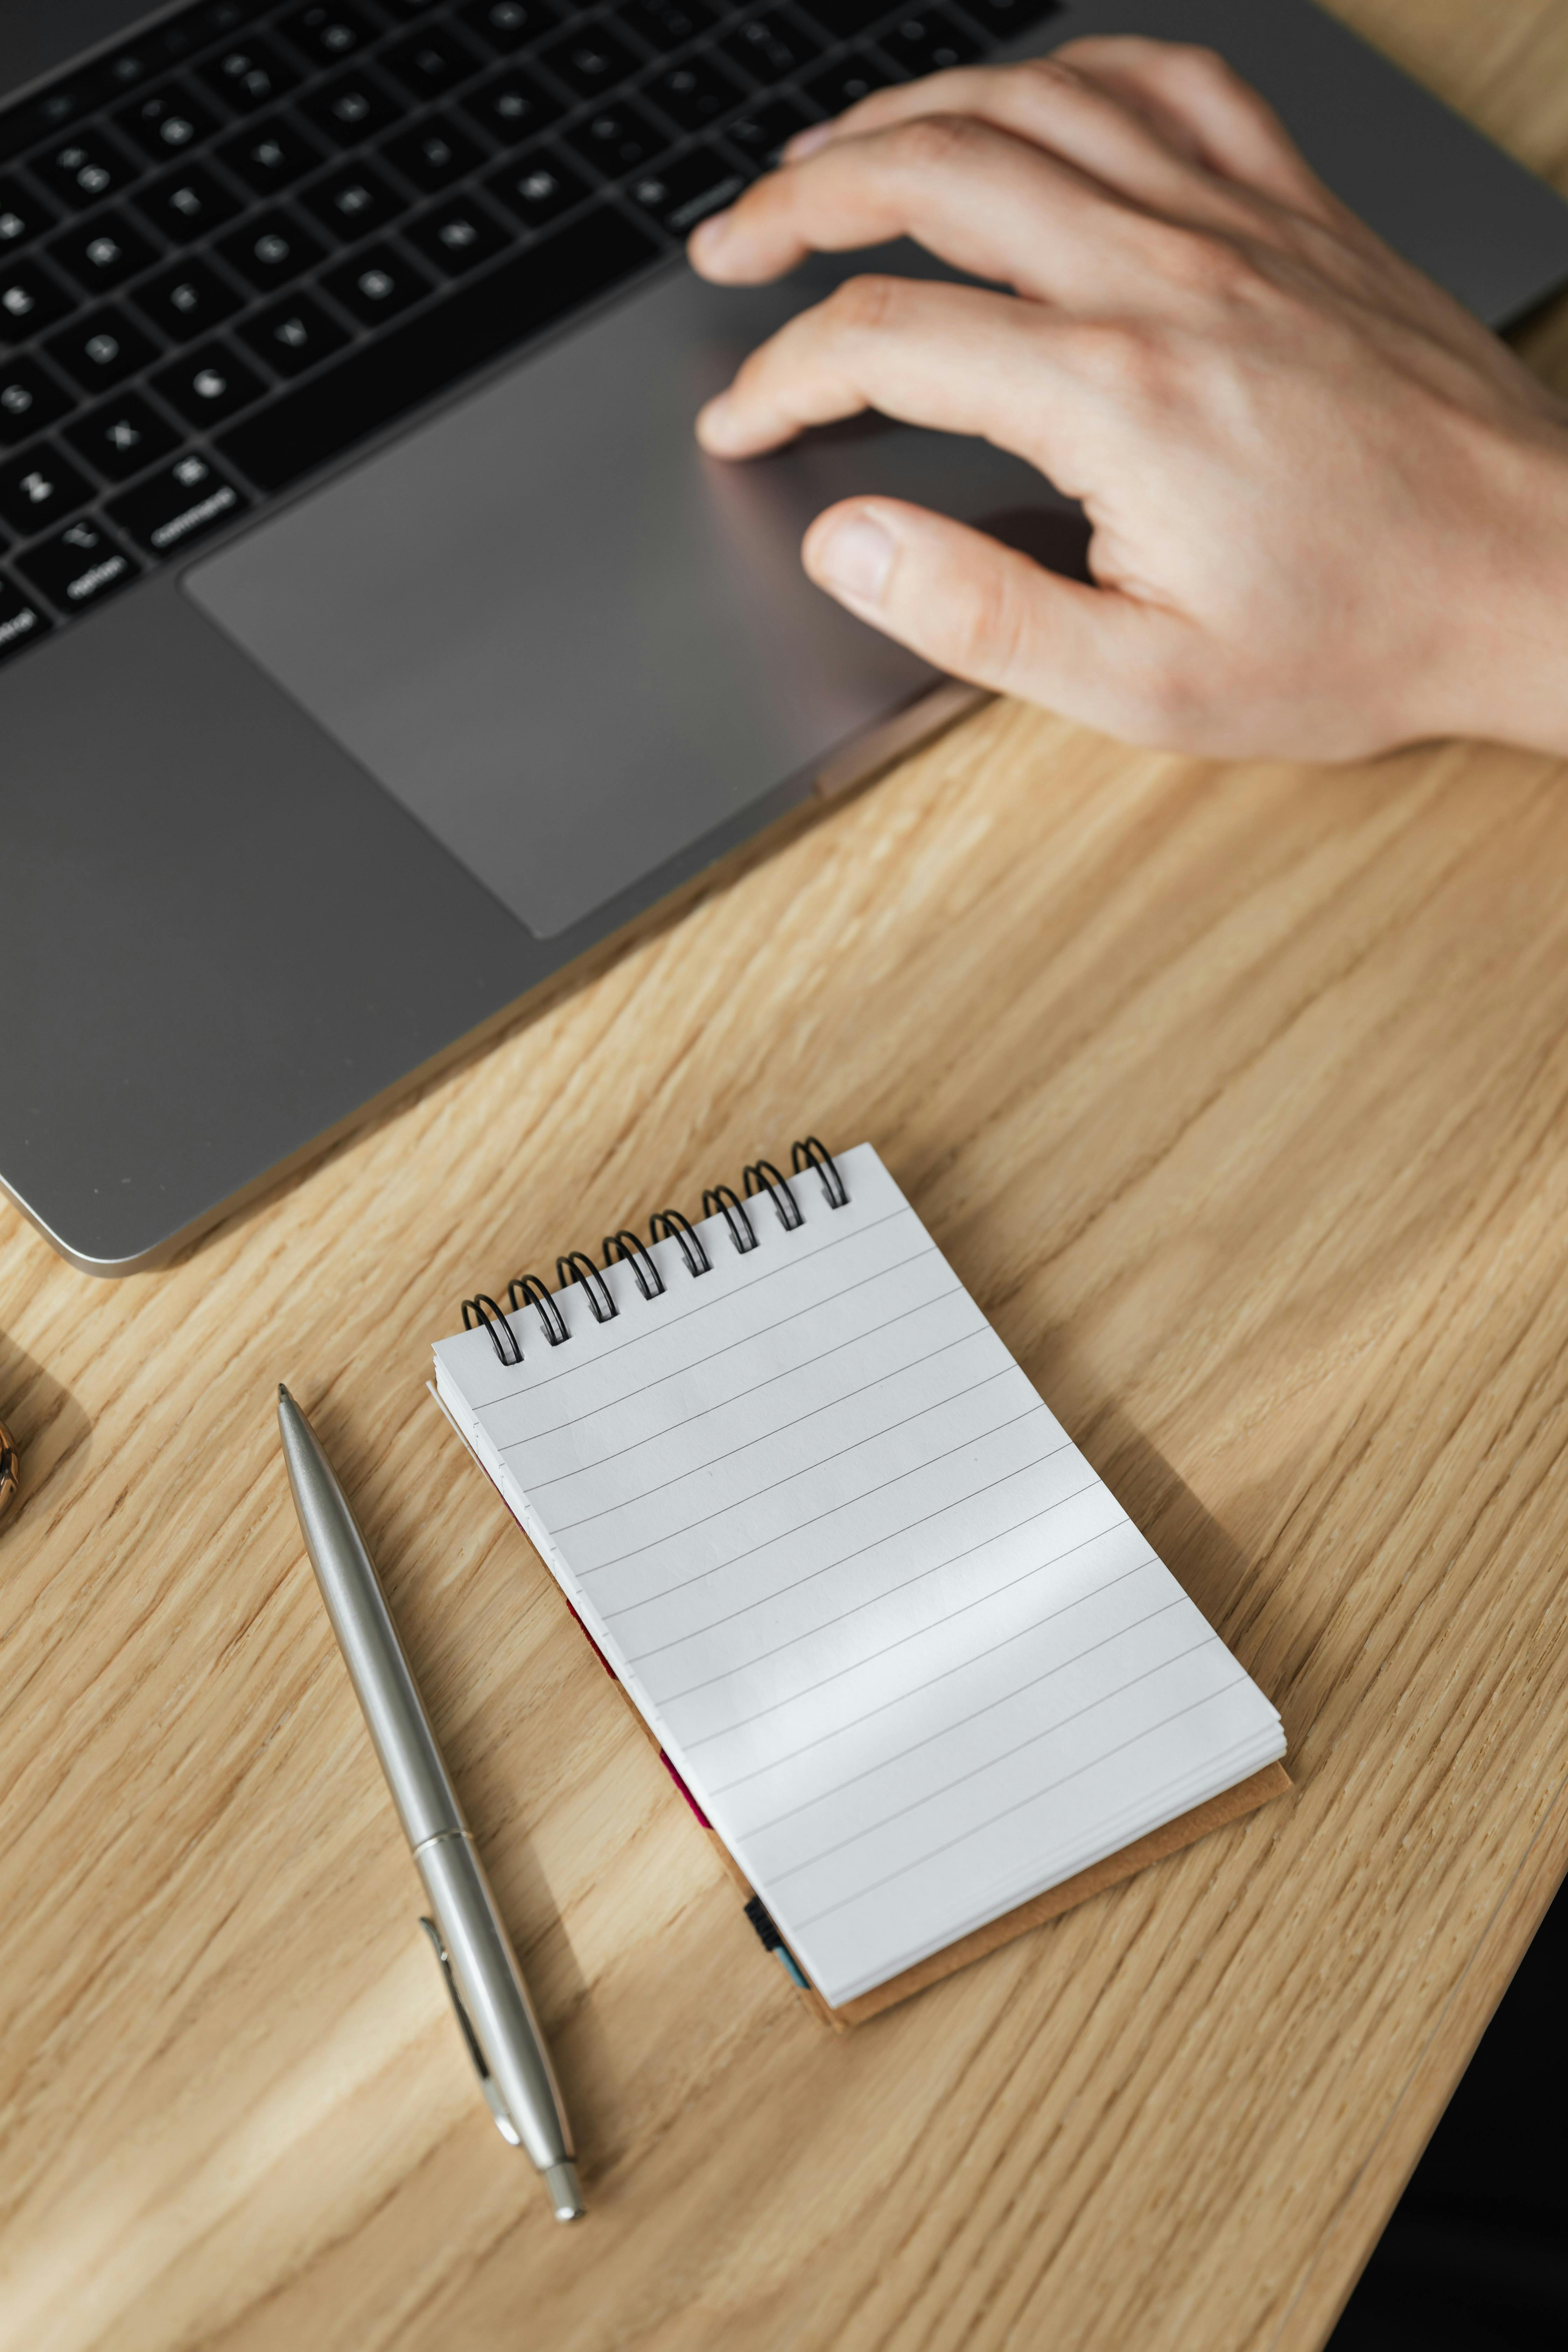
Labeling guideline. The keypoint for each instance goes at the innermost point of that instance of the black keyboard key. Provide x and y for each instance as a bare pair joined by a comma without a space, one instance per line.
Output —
180,505
1005,19
80,566
353,108
30,401
623,138
270,155
39,489
592,61
121,436
102,348
457,236
185,204
375,286
762,130
848,81
327,35
350,204
695,93
373,387
512,107
209,384
683,193
104,256
929,40
22,620
31,297
248,77
429,64
667,25
771,49
271,250
293,335
507,24
434,155
844,19
538,187
86,168
23,216
166,122
187,300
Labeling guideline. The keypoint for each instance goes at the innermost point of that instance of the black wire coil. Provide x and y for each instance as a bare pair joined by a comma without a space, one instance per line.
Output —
761,1181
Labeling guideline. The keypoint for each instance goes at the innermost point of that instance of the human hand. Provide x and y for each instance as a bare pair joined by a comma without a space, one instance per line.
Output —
1329,510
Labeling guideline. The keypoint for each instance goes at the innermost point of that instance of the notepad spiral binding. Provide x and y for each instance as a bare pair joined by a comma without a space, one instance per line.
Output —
759,1180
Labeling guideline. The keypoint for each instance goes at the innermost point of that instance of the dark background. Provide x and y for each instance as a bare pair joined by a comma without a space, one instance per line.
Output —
1476,2256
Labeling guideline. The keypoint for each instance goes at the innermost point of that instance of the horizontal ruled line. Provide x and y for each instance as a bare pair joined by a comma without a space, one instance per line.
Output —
766,1436
975,1828
848,1503
673,1698
687,1420
898,1756
899,1699
826,1566
787,1756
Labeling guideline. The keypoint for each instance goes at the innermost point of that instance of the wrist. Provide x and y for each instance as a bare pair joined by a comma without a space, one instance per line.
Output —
1500,650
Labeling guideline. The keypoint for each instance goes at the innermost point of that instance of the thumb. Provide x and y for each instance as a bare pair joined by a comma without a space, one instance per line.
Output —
982,611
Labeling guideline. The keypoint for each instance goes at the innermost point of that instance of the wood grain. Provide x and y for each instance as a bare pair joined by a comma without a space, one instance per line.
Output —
1239,1098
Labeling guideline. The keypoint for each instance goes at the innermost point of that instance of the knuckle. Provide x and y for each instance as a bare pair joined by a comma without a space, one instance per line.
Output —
861,305
933,142
1198,260
1165,701
990,619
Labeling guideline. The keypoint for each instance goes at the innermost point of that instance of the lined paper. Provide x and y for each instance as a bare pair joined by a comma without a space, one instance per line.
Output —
905,1648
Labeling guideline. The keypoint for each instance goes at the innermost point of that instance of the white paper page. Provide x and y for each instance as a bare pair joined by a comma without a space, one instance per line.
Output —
908,1652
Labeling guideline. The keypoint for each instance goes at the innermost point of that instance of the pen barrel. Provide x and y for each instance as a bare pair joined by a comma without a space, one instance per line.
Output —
425,1800
491,1986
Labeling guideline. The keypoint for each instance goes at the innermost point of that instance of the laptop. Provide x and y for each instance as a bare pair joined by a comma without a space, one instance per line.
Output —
377,647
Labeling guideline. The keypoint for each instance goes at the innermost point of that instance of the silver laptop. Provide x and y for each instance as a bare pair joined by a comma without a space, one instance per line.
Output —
374,641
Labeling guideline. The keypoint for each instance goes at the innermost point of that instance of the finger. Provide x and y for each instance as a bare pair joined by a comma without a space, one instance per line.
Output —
965,190
953,357
1184,100
978,197
1122,148
1191,96
982,611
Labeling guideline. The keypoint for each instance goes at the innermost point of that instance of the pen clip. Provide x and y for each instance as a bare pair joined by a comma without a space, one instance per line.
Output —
493,2100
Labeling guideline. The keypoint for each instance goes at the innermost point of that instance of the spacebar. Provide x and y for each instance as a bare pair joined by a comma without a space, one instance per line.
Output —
381,381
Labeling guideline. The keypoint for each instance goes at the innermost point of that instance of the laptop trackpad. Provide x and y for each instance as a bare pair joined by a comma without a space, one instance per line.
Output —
567,642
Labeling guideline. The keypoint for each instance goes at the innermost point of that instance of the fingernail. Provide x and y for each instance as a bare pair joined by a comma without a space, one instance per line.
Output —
708,235
857,559
806,142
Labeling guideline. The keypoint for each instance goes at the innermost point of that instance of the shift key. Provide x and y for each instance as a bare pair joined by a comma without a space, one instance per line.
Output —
181,503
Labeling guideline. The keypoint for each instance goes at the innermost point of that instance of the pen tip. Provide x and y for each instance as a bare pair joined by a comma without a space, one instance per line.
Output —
283,1395
565,2196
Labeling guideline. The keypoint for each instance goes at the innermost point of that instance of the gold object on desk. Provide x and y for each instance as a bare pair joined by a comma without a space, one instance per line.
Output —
1238,1097
10,1471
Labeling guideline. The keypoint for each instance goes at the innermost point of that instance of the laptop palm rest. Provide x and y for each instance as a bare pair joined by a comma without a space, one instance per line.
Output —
565,640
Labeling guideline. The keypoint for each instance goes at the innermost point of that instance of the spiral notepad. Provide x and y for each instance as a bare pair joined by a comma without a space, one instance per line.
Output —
908,1656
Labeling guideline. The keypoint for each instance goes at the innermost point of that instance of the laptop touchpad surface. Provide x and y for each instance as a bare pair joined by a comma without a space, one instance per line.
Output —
562,638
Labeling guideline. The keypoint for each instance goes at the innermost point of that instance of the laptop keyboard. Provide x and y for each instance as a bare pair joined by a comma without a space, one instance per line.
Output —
238,246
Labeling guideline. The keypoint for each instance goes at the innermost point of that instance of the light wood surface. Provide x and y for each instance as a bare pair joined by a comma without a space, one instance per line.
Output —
1239,1098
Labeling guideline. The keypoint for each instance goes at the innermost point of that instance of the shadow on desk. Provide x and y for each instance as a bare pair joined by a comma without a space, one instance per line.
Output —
51,1430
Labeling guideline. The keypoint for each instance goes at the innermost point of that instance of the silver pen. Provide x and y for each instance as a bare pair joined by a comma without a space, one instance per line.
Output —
471,1944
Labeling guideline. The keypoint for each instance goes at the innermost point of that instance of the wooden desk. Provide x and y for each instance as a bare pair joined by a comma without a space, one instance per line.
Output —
1240,1098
